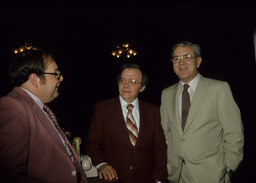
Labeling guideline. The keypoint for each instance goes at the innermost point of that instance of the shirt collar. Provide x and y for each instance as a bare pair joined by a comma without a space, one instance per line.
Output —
192,83
35,98
135,103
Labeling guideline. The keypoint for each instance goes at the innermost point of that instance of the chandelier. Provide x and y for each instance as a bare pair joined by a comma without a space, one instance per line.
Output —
123,51
25,47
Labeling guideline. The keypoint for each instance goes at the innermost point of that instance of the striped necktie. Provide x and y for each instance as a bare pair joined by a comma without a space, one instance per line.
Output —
131,125
57,126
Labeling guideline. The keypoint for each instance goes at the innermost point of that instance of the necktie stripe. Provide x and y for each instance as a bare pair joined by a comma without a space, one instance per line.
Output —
57,126
131,125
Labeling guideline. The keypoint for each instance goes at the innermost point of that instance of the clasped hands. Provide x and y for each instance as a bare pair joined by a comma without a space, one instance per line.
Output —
107,172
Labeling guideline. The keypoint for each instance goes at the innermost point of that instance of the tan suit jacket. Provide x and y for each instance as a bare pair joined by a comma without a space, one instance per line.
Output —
213,136
108,141
30,148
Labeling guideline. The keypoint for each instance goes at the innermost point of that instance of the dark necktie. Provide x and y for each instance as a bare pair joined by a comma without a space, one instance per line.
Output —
57,126
185,105
131,125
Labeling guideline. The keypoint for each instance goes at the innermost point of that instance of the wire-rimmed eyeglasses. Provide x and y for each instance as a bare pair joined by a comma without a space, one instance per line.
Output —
185,58
130,81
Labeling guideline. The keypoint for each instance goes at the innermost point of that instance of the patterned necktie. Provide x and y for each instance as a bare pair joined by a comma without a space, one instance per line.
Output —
57,126
131,125
185,105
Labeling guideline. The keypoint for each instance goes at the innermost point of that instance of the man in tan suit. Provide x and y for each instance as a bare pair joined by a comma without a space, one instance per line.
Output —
210,146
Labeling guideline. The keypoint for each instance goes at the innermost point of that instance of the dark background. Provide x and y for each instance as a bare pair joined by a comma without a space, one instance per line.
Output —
83,34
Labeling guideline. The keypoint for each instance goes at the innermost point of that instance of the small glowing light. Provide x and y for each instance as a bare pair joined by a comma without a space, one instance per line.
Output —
126,45
128,56
117,56
28,47
113,53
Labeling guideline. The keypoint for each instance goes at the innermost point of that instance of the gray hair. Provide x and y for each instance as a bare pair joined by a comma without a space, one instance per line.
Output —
196,47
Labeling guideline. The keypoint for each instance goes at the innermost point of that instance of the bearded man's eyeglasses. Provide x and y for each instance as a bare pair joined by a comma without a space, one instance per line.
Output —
57,74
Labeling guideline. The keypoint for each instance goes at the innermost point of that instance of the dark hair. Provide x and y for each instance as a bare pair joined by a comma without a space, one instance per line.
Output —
144,80
197,50
26,63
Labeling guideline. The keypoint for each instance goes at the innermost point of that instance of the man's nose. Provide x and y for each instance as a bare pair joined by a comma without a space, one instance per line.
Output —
61,78
126,83
181,61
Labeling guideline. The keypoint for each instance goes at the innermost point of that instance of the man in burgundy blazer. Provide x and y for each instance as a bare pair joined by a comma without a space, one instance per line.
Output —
31,150
108,142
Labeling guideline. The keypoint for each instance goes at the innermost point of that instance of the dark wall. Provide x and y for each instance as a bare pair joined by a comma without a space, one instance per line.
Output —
82,35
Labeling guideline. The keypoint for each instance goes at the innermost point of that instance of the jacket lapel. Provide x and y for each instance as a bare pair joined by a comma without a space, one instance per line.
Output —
42,117
49,128
117,119
201,91
173,108
145,117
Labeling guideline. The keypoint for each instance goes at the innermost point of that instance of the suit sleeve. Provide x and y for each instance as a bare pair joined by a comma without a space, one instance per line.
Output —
230,118
14,140
160,149
93,145
164,116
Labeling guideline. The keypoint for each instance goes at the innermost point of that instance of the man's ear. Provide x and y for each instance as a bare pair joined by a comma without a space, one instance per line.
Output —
34,80
142,89
199,61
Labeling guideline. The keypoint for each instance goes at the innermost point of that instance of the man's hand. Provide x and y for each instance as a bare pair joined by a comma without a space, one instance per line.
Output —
107,171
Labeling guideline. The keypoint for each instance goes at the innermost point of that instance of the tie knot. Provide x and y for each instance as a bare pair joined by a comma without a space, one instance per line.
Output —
130,107
186,86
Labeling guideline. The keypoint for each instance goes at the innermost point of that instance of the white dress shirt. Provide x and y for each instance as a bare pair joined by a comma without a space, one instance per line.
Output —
135,110
191,91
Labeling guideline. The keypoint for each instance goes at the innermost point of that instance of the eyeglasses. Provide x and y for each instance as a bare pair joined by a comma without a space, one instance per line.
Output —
57,74
130,81
186,58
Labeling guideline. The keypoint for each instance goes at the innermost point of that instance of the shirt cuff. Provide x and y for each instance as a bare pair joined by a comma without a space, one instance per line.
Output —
100,164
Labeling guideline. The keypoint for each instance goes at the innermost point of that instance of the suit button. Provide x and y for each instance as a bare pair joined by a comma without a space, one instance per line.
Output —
182,140
74,173
134,151
130,167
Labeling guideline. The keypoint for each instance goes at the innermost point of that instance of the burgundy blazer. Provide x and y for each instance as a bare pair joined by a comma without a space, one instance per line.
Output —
30,147
108,141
